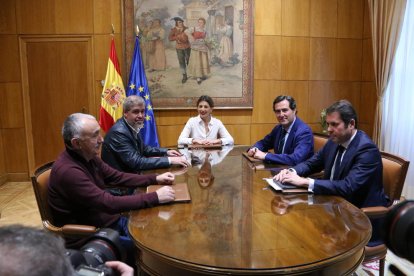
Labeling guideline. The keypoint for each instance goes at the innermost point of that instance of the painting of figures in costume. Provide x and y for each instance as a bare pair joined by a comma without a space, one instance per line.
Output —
191,48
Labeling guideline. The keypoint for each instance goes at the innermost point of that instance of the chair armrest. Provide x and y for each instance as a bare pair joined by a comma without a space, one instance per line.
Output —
77,229
375,212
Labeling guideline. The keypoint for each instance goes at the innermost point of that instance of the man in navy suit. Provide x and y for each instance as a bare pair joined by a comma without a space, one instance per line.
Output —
291,140
123,148
351,162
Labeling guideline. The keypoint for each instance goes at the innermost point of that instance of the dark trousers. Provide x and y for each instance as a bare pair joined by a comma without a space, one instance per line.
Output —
121,226
183,56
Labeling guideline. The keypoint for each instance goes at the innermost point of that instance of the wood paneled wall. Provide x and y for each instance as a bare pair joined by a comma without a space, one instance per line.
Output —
21,18
318,51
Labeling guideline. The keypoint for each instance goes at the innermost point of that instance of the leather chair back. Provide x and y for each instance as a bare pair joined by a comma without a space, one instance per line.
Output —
393,177
319,140
40,182
394,172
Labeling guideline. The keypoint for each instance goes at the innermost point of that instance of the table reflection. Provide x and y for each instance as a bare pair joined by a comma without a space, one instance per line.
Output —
197,156
205,177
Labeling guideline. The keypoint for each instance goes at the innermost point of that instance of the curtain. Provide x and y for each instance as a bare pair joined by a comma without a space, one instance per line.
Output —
386,21
398,116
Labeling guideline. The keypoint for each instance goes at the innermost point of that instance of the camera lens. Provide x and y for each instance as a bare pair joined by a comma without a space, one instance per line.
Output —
103,246
399,230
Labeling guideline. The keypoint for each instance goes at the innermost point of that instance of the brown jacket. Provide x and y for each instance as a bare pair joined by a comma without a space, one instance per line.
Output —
180,37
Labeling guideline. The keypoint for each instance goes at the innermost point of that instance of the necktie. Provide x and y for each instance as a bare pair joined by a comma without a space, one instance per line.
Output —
337,164
281,141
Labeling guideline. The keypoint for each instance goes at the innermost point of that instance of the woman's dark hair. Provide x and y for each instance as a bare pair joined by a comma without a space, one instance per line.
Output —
345,110
207,99
291,100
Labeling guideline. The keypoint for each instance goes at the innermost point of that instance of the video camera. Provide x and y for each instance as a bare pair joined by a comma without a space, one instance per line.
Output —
398,230
101,247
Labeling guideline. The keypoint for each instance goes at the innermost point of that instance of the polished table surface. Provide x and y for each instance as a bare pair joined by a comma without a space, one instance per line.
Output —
237,225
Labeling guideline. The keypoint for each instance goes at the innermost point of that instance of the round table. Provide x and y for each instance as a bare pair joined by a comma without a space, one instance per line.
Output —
236,225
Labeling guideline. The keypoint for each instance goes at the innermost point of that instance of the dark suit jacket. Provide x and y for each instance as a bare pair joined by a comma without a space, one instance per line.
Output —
298,147
124,152
360,173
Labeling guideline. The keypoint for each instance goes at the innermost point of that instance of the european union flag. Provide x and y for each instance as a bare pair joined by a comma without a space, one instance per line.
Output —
138,85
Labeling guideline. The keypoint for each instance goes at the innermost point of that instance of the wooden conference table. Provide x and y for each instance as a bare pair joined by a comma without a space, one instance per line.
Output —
236,225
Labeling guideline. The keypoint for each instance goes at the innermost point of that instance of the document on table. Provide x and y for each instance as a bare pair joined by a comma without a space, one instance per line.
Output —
285,187
279,186
182,193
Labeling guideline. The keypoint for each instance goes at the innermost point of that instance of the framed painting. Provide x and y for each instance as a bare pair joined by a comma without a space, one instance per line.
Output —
191,48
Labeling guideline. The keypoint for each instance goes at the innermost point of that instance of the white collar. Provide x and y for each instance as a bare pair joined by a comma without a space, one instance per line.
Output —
346,143
201,120
291,125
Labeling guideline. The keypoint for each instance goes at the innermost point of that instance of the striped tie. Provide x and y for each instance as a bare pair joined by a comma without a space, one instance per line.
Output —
281,141
337,164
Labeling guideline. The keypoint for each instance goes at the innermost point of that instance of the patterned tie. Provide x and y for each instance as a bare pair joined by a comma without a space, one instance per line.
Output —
337,164
281,141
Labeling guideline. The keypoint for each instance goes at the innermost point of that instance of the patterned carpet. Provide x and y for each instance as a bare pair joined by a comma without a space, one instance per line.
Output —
372,269
368,269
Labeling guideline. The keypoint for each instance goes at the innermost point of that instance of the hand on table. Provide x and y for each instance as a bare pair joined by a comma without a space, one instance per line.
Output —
165,194
206,141
291,177
165,178
179,160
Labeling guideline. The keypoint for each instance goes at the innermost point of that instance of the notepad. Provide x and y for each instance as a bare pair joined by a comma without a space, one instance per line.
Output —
182,193
284,187
279,186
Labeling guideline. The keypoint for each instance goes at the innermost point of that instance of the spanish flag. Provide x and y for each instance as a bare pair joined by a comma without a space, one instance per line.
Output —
113,93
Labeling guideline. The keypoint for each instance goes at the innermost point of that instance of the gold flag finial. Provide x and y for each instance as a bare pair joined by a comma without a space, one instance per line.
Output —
137,31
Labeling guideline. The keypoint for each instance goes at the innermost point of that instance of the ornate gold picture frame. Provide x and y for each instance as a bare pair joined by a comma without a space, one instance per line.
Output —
220,38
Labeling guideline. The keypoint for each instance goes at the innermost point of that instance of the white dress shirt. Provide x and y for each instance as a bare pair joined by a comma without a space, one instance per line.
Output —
194,129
